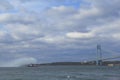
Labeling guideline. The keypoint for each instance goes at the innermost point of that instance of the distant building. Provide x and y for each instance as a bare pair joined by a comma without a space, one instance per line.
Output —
111,65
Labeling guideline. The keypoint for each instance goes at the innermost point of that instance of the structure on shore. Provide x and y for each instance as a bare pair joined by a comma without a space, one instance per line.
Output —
99,61
99,55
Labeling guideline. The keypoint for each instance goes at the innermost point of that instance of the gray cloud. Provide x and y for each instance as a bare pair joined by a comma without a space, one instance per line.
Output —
61,29
5,5
74,20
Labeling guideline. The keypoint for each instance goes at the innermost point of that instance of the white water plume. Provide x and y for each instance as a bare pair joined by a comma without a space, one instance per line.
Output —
20,62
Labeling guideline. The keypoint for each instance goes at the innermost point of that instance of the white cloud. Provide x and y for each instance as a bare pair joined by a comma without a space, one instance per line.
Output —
79,35
4,17
2,34
87,12
62,9
116,36
52,39
108,30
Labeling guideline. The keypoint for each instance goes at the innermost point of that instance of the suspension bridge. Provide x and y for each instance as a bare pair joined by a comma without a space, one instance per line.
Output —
100,58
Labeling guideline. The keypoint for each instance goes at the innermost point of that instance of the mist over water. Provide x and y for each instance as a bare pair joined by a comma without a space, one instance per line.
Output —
19,62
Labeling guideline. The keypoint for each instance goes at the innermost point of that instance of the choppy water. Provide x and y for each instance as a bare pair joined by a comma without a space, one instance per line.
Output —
61,73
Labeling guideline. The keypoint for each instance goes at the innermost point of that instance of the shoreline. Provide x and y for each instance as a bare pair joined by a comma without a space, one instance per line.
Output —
93,63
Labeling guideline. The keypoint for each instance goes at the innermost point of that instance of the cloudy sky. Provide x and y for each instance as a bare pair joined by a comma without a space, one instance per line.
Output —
42,31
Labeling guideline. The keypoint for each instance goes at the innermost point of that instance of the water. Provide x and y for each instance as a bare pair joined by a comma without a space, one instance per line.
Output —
61,73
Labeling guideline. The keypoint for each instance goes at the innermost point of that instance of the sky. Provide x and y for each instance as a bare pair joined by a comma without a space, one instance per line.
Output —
43,31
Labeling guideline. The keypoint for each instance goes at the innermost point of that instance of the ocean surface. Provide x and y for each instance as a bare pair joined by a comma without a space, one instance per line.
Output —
61,73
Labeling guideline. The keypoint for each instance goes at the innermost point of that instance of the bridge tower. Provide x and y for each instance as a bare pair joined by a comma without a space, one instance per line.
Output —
99,55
